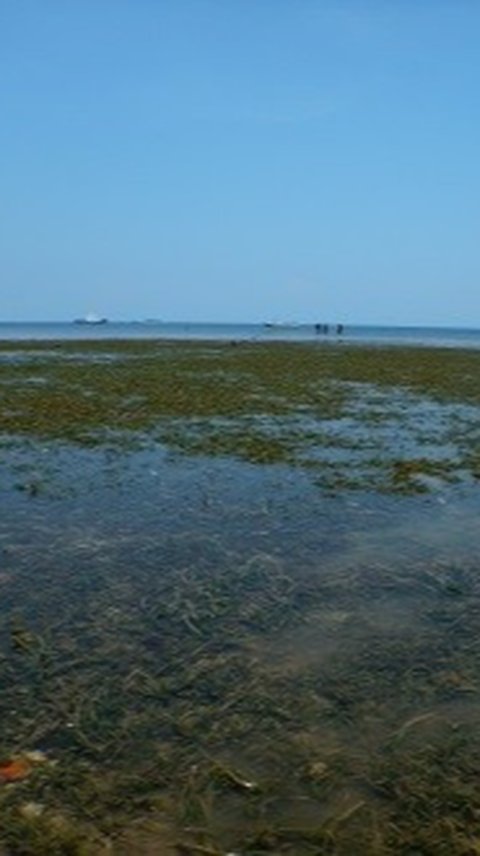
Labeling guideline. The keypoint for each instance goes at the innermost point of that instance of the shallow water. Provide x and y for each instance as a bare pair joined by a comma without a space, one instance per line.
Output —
256,665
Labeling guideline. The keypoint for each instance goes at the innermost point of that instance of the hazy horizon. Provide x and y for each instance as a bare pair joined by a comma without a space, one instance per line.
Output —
332,323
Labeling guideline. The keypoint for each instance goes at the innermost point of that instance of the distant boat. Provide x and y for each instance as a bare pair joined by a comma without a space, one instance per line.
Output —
273,325
90,318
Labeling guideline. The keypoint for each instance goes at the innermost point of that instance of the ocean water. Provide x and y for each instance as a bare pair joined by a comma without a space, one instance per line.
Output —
431,336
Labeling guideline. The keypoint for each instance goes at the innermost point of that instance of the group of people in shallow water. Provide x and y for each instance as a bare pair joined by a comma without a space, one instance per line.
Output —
325,329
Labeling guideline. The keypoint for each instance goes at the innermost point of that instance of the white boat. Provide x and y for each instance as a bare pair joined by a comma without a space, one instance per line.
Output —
91,318
274,325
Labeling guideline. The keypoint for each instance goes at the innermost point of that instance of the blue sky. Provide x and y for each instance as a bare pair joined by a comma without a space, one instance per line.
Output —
240,160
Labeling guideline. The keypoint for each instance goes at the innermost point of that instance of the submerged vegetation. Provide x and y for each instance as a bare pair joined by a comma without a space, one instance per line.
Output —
199,701
393,418
201,655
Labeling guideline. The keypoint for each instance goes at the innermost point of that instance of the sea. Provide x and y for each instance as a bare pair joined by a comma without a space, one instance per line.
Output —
460,337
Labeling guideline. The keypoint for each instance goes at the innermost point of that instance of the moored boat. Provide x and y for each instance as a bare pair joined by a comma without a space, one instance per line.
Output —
90,318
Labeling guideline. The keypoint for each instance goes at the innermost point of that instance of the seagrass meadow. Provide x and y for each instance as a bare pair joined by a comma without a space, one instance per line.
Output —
239,599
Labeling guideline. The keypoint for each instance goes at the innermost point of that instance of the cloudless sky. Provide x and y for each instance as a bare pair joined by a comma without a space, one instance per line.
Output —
240,160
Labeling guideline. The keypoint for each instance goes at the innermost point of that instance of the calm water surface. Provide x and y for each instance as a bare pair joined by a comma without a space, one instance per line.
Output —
433,336
266,659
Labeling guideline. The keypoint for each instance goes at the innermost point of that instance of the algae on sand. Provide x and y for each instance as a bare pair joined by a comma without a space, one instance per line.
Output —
215,655
356,416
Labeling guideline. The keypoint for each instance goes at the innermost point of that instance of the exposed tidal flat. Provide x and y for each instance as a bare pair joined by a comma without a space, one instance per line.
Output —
239,598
